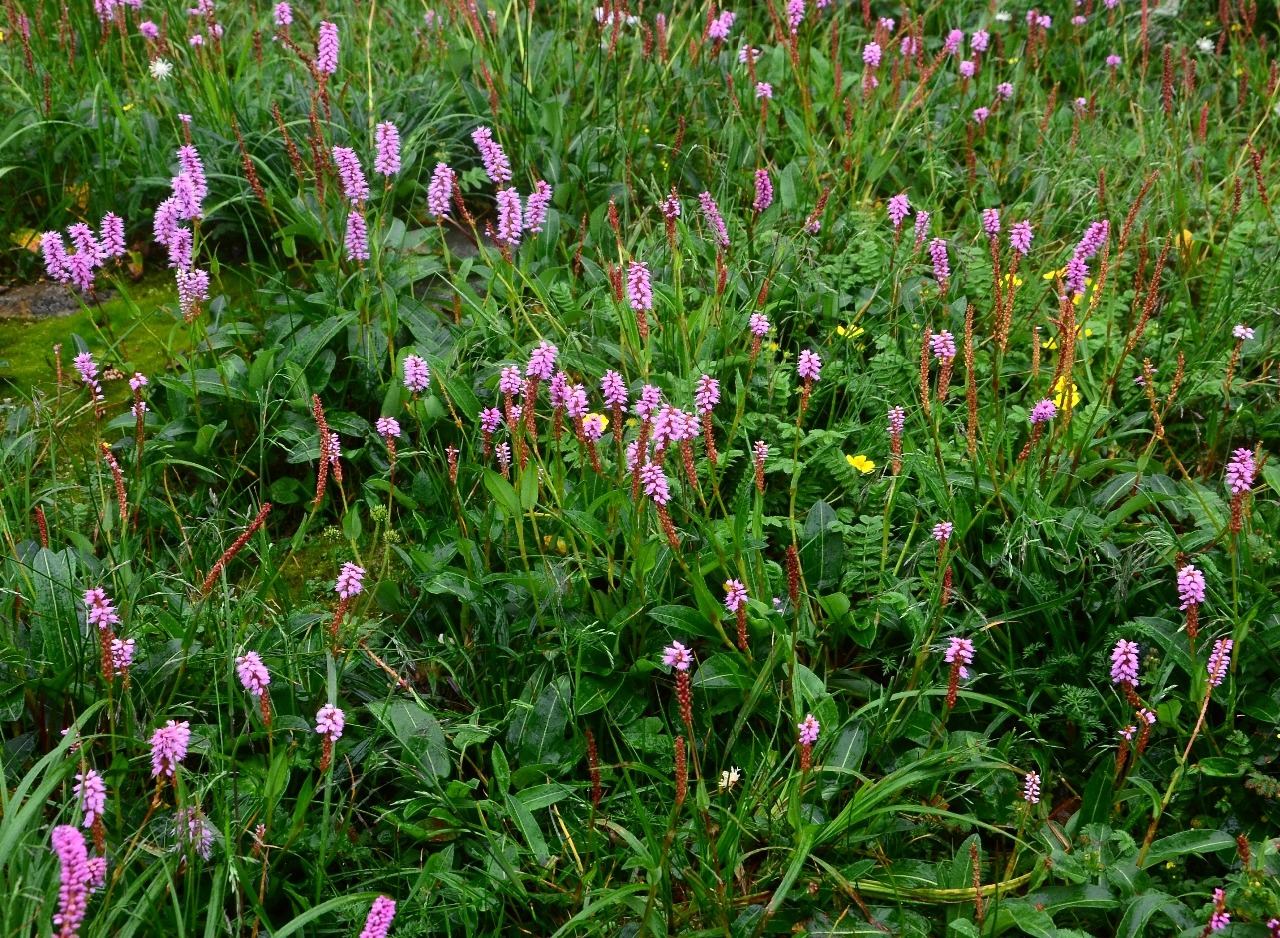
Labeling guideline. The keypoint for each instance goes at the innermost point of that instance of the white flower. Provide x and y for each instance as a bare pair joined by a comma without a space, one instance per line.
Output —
730,778
1205,45
1003,17
160,69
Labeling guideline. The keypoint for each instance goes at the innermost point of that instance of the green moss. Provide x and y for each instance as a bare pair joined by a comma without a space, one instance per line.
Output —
136,330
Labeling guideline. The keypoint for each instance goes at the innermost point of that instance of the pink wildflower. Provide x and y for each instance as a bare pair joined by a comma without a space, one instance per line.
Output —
327,49
1124,662
492,155
439,190
379,920
677,656
169,747
73,893
417,376
350,581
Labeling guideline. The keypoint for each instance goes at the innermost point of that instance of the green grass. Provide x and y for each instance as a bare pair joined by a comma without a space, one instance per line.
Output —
516,757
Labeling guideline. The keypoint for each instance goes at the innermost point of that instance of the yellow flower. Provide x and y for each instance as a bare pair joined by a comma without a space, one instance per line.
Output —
861,463
1016,280
604,421
1052,341
1055,273
849,332
1012,61
128,107
1060,397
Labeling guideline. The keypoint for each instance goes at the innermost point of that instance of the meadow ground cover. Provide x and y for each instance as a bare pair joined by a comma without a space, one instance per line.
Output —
797,467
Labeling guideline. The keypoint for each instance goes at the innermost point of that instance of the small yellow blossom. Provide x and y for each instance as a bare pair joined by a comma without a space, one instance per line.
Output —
1012,61
604,421
1052,341
849,332
1014,278
1060,397
861,463
1062,272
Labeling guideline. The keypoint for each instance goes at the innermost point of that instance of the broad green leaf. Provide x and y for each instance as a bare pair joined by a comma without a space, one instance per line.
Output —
502,493
1186,842
682,621
1140,910
418,732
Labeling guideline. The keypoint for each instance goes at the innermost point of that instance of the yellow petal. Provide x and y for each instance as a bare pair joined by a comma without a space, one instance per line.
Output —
861,463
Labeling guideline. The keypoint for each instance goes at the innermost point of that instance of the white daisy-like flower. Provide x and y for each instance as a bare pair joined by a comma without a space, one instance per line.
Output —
1003,17
161,69
730,778
1205,45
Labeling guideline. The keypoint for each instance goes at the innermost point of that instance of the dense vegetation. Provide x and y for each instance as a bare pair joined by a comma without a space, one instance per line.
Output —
668,469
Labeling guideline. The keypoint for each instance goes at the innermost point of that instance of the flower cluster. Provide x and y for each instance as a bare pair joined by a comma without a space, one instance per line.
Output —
169,747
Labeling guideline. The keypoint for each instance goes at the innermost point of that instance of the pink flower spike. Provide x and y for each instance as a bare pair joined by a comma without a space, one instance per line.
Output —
1124,662
1240,471
112,242
639,289
764,191
809,365
350,581
1020,237
899,209
735,594
707,394
387,161
169,747
542,361
495,160
711,212
677,656
942,531
327,49
330,722
1031,788
354,186
92,795
614,389
357,237
535,207
440,190
808,730
1191,586
1219,660
73,893
959,649
417,376
379,920
1043,412
254,676
510,218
